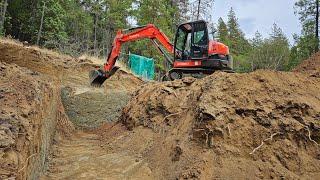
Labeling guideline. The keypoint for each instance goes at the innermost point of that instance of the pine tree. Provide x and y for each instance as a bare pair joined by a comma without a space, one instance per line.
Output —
238,43
200,10
222,31
308,11
257,40
280,48
270,53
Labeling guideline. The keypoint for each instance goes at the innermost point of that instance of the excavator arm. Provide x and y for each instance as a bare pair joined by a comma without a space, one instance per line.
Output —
150,31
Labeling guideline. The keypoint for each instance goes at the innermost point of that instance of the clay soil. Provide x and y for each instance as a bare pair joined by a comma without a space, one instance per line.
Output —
53,125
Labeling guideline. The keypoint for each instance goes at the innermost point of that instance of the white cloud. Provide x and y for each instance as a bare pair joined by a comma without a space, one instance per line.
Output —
260,15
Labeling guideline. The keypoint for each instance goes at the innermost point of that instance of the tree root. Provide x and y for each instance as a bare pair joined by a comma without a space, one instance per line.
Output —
229,129
26,162
169,90
170,115
309,136
262,143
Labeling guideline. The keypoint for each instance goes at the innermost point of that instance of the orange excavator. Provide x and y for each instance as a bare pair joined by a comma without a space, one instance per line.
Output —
194,52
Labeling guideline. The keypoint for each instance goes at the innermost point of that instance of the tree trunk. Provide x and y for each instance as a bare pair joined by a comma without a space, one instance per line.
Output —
317,25
3,15
198,14
41,24
95,34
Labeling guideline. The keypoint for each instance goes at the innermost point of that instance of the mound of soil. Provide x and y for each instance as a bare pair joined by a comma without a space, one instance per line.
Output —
310,66
264,124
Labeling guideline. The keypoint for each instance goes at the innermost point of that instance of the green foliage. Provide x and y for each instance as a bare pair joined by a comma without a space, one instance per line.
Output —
258,53
271,53
231,35
25,17
162,14
305,44
89,26
222,31
54,25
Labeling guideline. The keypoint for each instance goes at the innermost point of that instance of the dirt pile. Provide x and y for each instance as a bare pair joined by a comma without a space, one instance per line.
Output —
36,59
310,66
264,124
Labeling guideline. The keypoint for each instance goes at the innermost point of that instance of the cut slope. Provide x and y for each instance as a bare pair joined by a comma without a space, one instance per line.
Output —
263,124
30,112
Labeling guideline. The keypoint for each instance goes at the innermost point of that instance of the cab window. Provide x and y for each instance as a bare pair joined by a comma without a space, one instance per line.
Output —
181,39
199,37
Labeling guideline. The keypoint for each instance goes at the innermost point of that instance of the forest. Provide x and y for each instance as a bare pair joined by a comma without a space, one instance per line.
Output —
77,27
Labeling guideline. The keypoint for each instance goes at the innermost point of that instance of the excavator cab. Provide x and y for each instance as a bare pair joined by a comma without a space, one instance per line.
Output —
191,41
195,54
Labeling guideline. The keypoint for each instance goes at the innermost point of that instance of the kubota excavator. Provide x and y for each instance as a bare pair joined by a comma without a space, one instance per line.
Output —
194,53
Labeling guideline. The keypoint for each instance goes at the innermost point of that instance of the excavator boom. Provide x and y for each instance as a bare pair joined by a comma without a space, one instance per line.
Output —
150,31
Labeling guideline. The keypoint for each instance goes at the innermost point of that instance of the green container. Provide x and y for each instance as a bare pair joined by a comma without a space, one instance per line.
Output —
142,66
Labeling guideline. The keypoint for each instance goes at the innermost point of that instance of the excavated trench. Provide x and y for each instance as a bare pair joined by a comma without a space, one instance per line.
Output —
82,154
54,126
88,107
49,113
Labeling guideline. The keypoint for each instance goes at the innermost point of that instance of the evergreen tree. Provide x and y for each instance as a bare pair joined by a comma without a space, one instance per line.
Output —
53,24
200,10
222,31
271,53
238,44
309,16
257,40
158,12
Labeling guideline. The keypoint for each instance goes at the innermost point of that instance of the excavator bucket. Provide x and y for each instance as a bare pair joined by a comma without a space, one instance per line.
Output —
98,77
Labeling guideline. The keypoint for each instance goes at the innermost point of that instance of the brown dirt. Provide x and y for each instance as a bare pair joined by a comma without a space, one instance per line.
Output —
310,66
209,128
35,114
83,157
262,125
30,110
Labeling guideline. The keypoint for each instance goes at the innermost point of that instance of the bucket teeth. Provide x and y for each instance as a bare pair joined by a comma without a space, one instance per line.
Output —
97,78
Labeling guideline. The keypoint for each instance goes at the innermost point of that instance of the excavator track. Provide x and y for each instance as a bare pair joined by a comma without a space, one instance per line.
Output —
179,73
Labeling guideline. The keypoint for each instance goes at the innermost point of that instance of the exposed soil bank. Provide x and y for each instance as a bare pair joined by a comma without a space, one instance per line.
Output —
31,109
29,114
33,122
260,125
89,107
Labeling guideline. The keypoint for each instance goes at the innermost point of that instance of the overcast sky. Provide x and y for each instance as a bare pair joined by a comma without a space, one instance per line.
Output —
260,15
